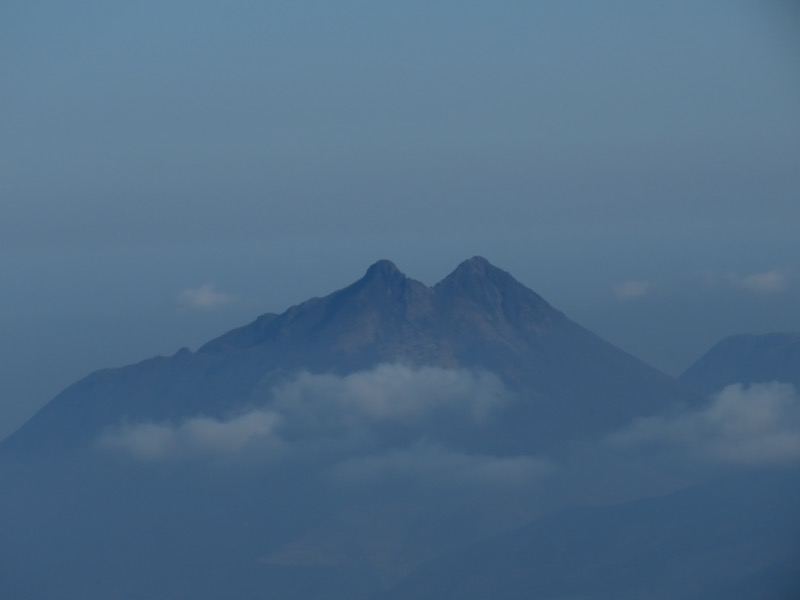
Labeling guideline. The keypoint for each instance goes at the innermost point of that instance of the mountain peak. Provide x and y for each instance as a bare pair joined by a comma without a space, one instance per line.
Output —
477,265
384,269
478,261
478,288
477,317
478,273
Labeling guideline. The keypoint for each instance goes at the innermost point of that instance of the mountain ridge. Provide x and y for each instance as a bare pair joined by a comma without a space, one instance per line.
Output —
476,279
370,443
478,317
747,359
619,551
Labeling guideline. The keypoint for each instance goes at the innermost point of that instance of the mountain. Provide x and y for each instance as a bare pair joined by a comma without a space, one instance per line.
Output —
569,383
747,359
332,451
736,537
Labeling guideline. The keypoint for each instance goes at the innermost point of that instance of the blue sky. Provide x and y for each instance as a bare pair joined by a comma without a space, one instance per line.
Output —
169,170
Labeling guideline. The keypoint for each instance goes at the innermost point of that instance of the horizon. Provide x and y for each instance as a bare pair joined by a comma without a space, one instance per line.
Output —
207,298
172,170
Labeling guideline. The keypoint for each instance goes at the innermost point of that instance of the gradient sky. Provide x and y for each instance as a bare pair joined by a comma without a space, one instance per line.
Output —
171,169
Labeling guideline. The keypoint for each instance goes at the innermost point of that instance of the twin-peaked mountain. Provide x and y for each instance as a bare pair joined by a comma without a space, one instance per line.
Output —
567,382
394,440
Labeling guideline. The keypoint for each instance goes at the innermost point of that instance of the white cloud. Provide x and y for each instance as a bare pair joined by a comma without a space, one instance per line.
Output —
437,466
758,425
766,282
390,392
769,282
323,413
198,437
205,297
630,290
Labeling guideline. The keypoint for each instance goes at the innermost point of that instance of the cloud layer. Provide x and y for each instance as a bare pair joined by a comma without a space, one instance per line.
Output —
753,426
199,437
772,281
341,423
389,393
435,465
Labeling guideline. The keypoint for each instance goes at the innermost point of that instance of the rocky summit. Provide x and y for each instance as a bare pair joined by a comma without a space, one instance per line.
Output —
568,383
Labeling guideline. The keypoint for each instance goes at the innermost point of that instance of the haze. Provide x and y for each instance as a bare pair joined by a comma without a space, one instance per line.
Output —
170,170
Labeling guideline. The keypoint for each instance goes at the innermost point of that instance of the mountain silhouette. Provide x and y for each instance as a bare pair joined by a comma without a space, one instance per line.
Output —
370,444
569,383
709,541
747,359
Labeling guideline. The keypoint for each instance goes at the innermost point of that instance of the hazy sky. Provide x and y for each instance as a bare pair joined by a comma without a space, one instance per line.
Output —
171,169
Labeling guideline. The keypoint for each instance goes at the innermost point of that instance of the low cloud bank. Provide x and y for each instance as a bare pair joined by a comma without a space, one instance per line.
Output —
199,437
757,425
329,418
388,393
435,465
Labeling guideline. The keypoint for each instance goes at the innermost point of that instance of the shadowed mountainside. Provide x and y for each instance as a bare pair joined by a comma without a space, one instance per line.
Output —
713,541
569,382
370,442
747,359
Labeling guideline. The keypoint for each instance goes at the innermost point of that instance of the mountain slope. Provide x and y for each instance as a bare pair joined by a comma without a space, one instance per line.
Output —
738,537
327,452
747,359
569,382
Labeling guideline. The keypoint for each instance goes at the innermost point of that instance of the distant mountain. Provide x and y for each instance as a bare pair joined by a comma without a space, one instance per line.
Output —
570,383
340,449
735,538
747,359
